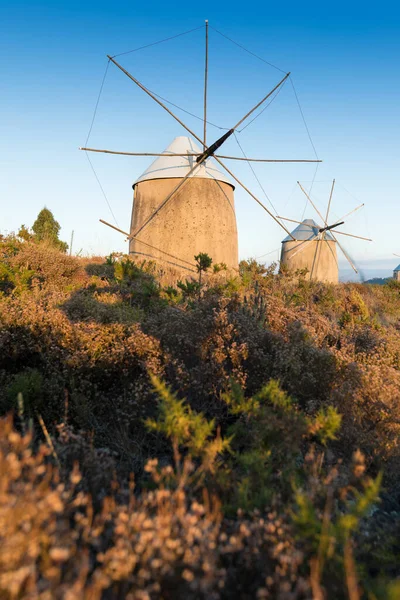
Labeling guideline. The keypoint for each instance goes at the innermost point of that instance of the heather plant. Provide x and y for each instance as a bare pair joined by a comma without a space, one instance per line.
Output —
267,386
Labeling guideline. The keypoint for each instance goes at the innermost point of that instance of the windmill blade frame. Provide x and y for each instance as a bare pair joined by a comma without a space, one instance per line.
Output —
208,149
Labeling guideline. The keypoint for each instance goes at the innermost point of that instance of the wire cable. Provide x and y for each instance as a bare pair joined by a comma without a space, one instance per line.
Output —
97,103
310,190
187,112
282,71
303,117
265,108
102,189
160,41
246,50
254,173
267,253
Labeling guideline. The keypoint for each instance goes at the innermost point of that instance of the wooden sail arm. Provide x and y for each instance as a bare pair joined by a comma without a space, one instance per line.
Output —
253,196
312,203
132,237
329,203
172,154
205,90
202,142
154,97
352,211
359,237
345,254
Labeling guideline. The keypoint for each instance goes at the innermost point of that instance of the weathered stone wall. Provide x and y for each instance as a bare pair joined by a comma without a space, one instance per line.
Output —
319,257
200,217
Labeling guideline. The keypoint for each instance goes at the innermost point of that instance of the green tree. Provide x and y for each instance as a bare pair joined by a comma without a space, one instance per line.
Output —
46,229
203,263
24,233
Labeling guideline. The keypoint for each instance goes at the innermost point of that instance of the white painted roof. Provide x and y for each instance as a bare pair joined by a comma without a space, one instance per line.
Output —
165,167
307,231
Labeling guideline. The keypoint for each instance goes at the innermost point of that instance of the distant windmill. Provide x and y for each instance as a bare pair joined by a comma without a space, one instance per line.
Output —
396,271
313,246
183,204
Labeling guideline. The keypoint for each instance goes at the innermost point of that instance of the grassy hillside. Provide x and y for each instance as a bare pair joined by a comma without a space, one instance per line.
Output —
235,441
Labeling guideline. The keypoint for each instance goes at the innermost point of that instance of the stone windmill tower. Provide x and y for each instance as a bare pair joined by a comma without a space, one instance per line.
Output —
314,247
308,250
200,219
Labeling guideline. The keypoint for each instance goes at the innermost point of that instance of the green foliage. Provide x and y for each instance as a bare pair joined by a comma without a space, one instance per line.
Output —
203,262
46,229
28,384
267,439
190,289
251,269
326,424
328,517
218,267
7,278
358,506
170,291
188,431
125,270
24,234
102,307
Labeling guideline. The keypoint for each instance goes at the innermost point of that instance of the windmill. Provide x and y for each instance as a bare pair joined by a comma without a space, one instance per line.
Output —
183,203
396,271
314,246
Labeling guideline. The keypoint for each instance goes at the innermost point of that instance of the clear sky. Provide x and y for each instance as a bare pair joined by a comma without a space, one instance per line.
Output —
344,60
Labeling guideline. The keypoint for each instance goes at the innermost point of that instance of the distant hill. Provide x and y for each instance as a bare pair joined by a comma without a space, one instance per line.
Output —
378,280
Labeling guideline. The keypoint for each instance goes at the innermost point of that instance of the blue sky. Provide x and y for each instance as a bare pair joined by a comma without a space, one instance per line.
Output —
344,63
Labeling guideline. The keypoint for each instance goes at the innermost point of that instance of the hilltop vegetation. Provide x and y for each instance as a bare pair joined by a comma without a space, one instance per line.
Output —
234,440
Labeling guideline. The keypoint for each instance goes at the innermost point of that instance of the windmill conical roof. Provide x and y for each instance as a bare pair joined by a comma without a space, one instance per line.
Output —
308,230
397,268
165,167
